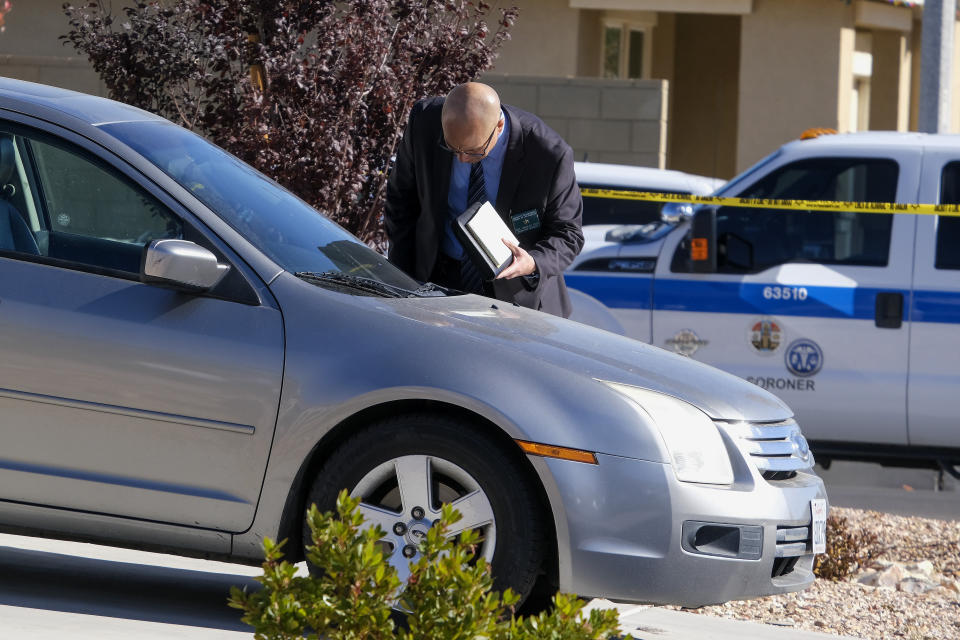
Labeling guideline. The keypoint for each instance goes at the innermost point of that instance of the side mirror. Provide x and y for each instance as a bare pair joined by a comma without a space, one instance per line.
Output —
676,212
638,233
181,264
703,241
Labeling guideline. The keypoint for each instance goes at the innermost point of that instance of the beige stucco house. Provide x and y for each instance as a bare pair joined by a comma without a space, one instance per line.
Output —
743,76
30,48
706,86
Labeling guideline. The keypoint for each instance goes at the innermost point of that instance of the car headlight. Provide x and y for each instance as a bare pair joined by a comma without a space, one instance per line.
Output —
692,439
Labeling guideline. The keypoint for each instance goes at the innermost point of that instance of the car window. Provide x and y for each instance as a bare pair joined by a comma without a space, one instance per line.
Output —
948,227
84,199
282,226
750,240
604,210
74,208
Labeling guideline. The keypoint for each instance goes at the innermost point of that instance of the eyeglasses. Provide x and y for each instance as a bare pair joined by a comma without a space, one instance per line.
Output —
470,154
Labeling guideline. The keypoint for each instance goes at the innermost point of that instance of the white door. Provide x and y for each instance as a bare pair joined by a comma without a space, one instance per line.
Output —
935,311
804,304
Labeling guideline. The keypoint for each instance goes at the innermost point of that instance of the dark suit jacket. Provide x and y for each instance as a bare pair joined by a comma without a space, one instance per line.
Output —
537,174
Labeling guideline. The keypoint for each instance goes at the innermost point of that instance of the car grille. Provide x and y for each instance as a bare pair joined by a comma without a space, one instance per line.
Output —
777,449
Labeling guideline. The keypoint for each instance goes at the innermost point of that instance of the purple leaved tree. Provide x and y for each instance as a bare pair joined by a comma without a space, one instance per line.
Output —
314,93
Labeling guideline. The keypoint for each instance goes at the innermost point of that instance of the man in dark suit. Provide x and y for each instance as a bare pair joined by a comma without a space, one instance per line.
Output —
468,147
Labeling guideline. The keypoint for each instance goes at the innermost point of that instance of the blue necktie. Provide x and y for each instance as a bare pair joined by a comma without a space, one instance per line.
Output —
470,279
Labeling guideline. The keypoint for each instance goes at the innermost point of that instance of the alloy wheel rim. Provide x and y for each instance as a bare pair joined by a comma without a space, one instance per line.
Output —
403,495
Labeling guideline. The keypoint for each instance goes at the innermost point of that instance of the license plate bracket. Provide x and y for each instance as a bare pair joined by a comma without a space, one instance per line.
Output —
818,525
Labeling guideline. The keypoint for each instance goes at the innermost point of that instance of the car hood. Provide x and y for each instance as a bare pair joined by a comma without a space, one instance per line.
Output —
532,338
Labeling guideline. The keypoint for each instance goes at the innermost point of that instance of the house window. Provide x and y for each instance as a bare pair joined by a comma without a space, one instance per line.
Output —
626,50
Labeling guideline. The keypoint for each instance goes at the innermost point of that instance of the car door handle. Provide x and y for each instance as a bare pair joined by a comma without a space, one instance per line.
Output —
889,310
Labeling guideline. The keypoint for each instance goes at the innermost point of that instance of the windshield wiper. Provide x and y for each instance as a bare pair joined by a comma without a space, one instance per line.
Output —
367,285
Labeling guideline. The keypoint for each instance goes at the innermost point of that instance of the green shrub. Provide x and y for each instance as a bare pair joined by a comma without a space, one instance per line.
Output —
448,595
846,550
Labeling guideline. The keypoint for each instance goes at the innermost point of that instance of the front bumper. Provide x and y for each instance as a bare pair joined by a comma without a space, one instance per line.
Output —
620,530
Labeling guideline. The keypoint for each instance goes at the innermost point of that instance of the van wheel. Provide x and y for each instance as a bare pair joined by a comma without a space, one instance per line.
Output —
951,467
403,469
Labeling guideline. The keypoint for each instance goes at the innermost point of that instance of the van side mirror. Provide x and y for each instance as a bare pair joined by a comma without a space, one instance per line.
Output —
703,241
676,212
181,264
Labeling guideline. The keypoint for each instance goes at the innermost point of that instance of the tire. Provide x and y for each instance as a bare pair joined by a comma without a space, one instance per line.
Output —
951,467
387,465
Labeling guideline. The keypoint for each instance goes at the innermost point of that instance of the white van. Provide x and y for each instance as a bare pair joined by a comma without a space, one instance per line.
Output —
610,212
853,319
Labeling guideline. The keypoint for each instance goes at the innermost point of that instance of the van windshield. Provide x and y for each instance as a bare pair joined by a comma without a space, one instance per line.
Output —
281,225
733,187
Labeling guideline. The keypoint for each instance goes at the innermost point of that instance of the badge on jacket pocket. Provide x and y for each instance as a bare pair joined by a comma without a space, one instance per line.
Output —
525,221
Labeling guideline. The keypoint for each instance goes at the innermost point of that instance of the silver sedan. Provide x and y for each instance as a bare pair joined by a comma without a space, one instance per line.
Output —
190,355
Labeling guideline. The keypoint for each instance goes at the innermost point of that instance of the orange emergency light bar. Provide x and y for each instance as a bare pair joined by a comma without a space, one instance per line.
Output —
816,132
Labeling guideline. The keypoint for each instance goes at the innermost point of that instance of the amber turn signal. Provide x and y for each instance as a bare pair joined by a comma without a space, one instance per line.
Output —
550,451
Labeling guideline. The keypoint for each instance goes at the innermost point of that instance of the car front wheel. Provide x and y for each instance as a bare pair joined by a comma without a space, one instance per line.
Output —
403,469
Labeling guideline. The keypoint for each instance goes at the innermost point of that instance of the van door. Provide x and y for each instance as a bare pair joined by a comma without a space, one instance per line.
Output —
611,282
808,305
935,311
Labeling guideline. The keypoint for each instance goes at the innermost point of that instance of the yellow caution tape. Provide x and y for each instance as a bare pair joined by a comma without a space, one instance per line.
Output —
770,203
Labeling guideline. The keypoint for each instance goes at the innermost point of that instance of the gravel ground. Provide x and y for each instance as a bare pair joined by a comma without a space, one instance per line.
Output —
878,613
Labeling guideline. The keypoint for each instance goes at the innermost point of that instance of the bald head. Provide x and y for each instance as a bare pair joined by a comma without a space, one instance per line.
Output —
470,112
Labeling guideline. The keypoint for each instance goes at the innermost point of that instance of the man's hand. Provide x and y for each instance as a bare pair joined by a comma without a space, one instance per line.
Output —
522,265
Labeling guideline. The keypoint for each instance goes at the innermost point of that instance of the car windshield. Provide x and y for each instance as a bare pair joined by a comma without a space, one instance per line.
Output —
284,227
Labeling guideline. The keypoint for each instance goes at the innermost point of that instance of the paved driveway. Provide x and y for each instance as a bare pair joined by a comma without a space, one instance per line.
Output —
53,590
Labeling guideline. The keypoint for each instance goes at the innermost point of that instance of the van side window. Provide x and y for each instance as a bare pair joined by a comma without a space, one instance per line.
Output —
751,240
948,227
604,210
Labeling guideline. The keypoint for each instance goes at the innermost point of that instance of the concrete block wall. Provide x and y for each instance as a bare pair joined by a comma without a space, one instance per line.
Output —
66,72
604,120
30,48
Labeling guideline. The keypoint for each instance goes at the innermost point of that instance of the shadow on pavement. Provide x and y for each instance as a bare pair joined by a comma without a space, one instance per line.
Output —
57,582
